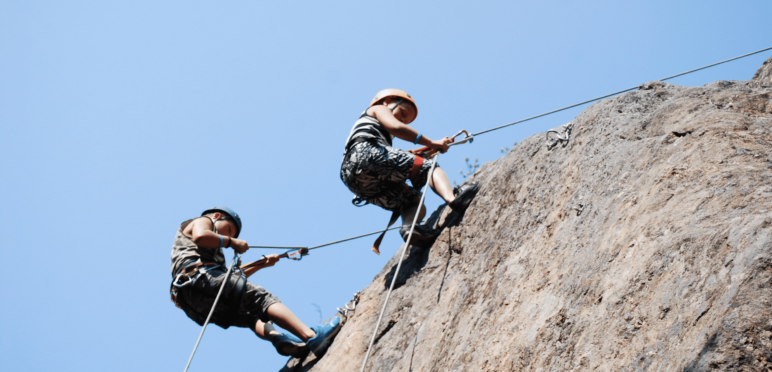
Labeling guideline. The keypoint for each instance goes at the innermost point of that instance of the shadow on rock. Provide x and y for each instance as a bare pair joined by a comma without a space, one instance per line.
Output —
417,257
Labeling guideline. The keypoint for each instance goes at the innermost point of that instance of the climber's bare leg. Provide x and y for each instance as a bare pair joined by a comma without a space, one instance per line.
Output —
441,185
265,330
282,316
408,214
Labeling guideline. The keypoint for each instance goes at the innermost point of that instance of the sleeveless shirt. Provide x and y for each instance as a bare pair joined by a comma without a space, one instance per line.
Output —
185,251
368,127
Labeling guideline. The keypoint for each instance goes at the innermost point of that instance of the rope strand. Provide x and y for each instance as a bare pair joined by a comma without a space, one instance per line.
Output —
321,245
399,264
225,282
347,239
615,93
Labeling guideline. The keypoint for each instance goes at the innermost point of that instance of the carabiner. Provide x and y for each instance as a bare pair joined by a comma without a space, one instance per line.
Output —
468,138
297,254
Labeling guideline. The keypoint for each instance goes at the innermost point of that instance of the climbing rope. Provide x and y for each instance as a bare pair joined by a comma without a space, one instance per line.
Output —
471,137
236,257
399,263
322,245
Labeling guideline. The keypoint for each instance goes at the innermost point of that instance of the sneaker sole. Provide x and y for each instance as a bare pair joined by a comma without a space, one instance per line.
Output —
289,348
421,241
465,199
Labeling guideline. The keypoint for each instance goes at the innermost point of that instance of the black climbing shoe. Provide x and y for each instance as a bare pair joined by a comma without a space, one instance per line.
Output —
464,195
422,235
287,344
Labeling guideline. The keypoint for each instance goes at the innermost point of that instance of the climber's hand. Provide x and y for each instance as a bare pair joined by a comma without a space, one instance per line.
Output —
271,259
239,245
440,145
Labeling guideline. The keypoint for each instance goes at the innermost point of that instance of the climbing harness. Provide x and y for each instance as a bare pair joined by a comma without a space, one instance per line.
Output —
553,140
399,264
236,257
188,276
418,161
293,254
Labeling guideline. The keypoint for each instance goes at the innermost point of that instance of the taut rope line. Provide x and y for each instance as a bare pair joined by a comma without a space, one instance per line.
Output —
236,256
615,93
399,264
322,245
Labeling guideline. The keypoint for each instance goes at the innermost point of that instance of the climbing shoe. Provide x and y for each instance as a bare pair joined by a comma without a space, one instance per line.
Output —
464,195
422,235
287,344
324,335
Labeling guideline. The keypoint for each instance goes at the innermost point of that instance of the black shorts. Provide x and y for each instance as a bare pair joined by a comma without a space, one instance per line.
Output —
377,174
233,309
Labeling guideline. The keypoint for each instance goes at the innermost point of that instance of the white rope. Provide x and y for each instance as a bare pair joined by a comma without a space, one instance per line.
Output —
399,264
225,282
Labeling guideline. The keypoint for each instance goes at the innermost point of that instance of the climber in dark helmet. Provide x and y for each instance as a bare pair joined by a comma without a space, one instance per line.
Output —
376,172
199,269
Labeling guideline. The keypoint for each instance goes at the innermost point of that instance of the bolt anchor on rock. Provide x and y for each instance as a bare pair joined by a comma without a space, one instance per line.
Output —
579,209
557,137
351,305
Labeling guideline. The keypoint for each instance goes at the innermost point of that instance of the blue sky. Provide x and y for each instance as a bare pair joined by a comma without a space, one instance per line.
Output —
122,119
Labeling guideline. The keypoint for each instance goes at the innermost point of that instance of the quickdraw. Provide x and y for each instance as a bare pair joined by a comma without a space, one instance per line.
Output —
425,152
553,140
292,254
350,306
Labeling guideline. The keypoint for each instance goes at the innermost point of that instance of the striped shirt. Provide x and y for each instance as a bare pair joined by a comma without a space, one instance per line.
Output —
370,128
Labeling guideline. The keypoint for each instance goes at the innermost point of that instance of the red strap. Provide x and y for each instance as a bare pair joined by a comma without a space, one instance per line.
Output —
419,150
415,170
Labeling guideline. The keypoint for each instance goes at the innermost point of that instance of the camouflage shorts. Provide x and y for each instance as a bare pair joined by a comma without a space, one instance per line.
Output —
197,299
377,174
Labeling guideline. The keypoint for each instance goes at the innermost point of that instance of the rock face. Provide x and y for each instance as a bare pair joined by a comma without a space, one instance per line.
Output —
764,74
668,267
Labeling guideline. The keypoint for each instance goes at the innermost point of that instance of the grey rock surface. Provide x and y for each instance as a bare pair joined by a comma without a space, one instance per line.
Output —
666,268
764,74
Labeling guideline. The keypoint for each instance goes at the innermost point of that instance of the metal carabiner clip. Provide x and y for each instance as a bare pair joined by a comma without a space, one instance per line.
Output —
297,254
466,139
236,263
